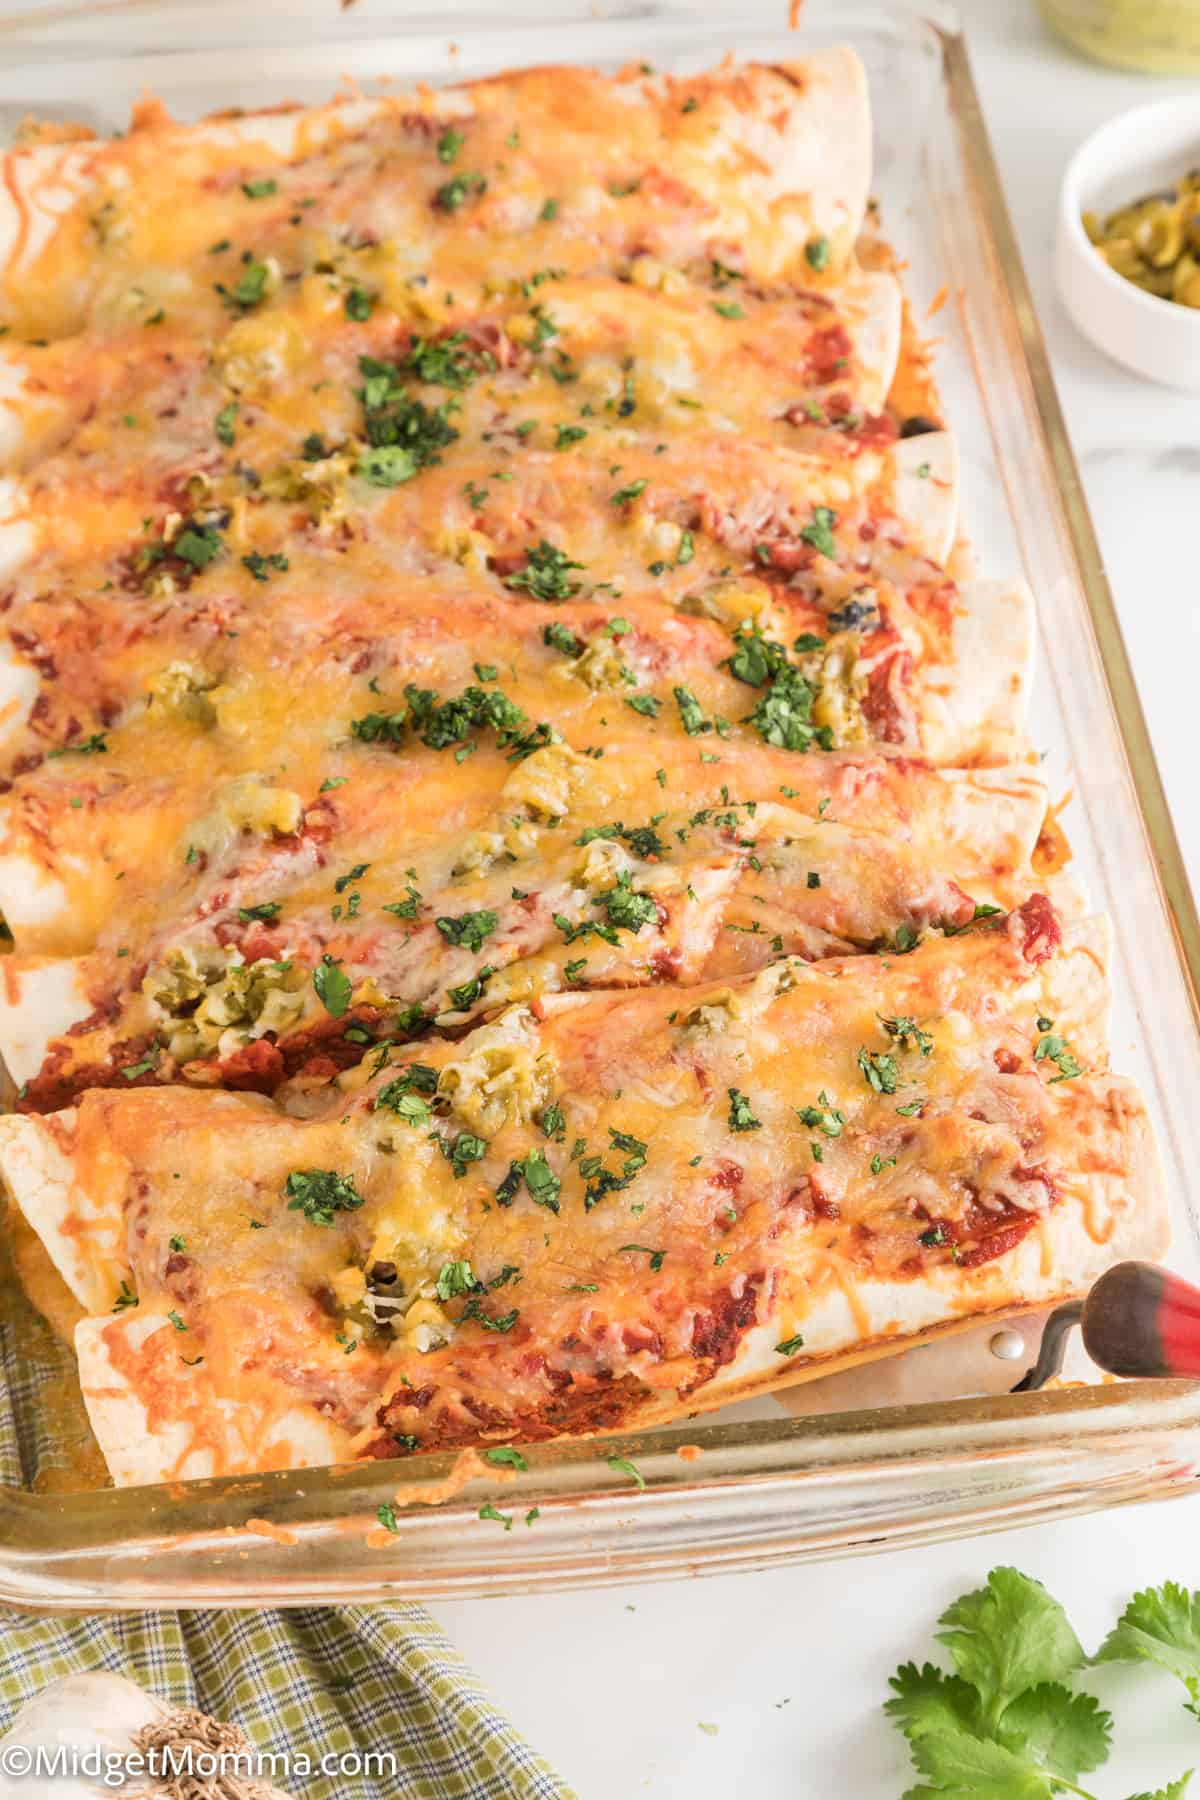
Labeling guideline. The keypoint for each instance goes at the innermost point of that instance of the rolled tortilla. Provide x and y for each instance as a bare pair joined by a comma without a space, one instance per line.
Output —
727,910
927,490
1069,1168
158,1416
753,155
976,706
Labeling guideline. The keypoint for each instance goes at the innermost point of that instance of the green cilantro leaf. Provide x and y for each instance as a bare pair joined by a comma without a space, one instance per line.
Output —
1061,1731
741,1113
332,985
1008,1636
466,1149
879,1070
927,1699
455,1278
962,1767
1056,1050
198,545
621,1465
819,530
1005,1725
1160,1625
454,193
468,929
506,1456
546,574
319,1193
691,713
250,287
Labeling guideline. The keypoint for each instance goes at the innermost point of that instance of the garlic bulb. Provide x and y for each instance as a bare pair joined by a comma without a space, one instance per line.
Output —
81,1713
70,1739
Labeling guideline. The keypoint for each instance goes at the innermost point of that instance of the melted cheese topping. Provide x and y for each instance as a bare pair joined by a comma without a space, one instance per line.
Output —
477,648
590,1204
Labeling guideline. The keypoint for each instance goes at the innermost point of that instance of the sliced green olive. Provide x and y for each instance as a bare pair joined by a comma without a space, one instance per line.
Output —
1154,242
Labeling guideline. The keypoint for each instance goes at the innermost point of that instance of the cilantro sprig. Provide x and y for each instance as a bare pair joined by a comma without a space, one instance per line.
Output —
1009,1724
1160,1625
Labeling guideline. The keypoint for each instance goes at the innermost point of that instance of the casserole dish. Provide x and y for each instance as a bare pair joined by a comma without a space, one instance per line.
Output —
749,1487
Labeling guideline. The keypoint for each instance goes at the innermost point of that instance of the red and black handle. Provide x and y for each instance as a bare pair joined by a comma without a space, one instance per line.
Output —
1140,1320
1137,1320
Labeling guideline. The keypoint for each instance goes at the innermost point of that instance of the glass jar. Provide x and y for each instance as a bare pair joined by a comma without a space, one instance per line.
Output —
1161,37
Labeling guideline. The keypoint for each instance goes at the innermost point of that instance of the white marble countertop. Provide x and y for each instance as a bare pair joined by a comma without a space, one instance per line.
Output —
791,1667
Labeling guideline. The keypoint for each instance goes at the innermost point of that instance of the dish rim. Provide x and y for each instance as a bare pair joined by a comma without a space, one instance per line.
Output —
1143,1439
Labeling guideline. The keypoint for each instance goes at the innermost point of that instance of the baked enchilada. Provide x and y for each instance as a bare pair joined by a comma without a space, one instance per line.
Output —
522,857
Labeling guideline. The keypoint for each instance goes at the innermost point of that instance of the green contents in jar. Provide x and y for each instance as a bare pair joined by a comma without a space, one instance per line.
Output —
1155,241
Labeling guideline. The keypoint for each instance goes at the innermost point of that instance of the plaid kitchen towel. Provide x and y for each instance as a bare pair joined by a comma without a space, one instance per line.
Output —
308,1683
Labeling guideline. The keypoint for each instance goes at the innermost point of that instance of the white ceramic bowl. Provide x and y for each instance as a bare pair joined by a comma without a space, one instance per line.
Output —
1137,153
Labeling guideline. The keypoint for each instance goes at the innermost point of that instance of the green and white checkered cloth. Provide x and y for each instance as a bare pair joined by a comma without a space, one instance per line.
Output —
318,1680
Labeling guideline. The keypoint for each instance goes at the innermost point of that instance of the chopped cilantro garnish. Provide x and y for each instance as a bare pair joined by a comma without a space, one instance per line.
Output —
741,1113
198,545
819,530
1056,1050
879,1070
490,1321
468,929
822,1117
250,287
261,566
468,992
546,574
602,1180
95,745
333,986
506,1456
562,638
454,193
488,1511
691,713
627,909
319,1193
465,1150
657,1257
455,1279
621,1465
264,911
908,1034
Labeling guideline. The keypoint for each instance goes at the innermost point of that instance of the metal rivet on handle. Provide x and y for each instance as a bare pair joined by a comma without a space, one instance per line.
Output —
1007,1345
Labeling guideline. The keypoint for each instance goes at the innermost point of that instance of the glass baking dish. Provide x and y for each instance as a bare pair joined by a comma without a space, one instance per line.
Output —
753,1484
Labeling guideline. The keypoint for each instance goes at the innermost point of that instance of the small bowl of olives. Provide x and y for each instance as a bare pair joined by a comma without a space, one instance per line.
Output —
1128,250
